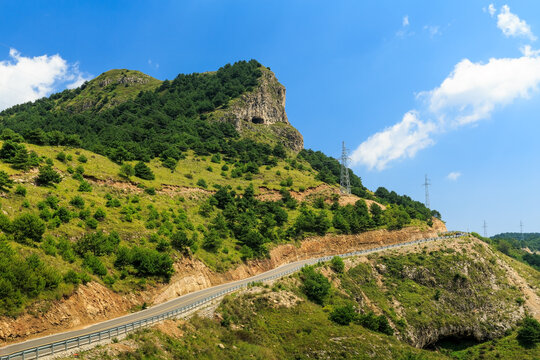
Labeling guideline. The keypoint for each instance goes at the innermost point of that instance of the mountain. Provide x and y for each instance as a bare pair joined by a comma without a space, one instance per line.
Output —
127,115
129,191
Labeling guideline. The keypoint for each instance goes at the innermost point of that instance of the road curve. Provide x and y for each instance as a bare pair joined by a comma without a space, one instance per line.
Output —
182,301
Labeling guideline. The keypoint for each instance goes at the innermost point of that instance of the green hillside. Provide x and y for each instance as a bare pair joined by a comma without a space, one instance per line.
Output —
117,180
398,305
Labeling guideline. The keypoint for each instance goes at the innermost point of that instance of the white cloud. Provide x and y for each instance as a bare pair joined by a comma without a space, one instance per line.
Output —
403,140
512,26
405,21
403,32
25,79
454,175
527,50
152,64
433,30
471,92
491,10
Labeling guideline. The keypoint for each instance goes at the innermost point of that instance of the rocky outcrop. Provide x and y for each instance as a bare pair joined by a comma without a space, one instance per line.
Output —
261,114
265,105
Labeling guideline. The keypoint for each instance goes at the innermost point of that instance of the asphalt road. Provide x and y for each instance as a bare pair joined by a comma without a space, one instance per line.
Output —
163,308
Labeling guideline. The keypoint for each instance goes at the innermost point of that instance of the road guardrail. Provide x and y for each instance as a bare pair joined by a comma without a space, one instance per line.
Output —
98,336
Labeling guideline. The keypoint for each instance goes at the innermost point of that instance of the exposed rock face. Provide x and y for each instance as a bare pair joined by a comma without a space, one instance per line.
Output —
264,105
261,114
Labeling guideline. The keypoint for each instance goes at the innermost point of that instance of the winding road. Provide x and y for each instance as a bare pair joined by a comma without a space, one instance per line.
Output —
52,344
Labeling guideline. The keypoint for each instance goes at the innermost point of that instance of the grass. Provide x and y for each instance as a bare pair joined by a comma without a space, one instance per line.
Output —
102,96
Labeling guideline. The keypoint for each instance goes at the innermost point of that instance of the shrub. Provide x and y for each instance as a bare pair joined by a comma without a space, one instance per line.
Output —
126,171
100,214
315,285
77,201
211,241
180,241
82,158
375,323
337,264
150,191
27,227
170,163
202,183
47,176
529,332
20,190
5,182
63,214
71,277
143,171
85,186
343,315
97,243
92,223
95,265
61,157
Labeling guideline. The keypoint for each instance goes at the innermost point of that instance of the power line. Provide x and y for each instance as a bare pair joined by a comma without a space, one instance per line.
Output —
344,181
426,184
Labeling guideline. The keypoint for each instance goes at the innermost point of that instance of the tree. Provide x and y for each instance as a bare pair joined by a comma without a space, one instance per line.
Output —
47,176
170,163
143,171
126,171
529,333
337,264
5,182
343,315
27,227
376,214
315,285
21,160
396,218
180,241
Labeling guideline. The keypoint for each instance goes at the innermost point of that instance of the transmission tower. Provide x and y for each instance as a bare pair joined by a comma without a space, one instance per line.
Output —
344,181
485,229
521,229
426,184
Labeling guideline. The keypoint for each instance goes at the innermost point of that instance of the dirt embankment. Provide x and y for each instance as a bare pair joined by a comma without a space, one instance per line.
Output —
94,302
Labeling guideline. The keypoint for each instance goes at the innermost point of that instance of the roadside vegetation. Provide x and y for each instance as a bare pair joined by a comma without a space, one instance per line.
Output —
346,312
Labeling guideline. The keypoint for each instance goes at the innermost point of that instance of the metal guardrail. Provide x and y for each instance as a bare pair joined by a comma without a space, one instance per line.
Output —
76,342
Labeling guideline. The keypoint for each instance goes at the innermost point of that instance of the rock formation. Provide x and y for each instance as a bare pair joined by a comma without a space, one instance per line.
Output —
261,114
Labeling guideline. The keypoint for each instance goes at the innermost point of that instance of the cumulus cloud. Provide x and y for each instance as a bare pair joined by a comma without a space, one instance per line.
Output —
25,79
512,26
403,32
405,21
454,175
471,92
403,140
491,10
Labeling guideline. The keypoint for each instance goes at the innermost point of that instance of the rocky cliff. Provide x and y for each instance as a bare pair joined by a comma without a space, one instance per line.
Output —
260,114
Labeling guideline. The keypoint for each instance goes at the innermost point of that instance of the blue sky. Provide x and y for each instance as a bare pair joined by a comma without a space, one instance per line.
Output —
413,87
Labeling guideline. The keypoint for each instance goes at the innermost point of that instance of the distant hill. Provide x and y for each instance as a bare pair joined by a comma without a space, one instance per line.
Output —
530,240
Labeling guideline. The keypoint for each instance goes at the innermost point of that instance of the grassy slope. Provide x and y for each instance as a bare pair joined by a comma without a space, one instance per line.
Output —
115,93
103,174
260,330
